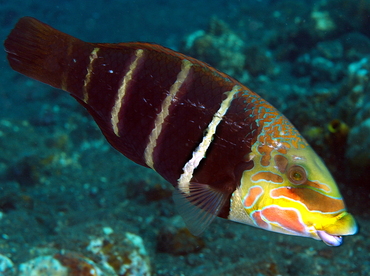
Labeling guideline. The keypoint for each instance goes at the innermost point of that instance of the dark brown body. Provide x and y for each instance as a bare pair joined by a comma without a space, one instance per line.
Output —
93,74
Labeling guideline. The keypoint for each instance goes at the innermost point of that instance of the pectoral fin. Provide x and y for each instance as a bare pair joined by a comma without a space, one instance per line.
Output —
200,206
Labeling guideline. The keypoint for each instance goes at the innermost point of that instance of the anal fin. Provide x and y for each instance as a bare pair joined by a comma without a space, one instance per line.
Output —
200,206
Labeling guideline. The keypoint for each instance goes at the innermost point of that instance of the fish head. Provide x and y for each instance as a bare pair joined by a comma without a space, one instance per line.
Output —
294,193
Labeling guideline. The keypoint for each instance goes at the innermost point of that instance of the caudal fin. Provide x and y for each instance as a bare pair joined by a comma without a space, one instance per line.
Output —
39,51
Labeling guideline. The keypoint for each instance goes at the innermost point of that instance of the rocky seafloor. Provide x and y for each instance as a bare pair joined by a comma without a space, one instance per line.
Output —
71,205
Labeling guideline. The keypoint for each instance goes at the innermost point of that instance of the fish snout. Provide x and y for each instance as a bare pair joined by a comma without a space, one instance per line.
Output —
332,234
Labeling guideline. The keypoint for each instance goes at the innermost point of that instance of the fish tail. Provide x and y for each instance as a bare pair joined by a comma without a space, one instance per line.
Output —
41,52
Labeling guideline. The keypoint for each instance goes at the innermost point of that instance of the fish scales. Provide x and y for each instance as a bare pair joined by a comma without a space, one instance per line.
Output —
227,152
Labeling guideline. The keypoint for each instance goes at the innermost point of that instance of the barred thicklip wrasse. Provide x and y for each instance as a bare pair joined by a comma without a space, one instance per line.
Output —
227,152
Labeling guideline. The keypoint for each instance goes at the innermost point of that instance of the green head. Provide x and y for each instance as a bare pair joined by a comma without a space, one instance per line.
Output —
290,190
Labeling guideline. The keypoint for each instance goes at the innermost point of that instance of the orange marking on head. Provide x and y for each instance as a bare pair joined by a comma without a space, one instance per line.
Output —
265,150
253,194
287,218
256,216
285,192
268,176
278,130
318,185
313,200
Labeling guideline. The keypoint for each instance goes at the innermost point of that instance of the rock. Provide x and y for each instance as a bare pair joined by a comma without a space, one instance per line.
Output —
318,68
355,92
323,21
359,144
355,45
121,254
176,239
63,264
124,254
6,266
332,49
218,46
259,61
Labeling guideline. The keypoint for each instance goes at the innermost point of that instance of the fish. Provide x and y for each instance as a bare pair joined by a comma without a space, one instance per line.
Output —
227,152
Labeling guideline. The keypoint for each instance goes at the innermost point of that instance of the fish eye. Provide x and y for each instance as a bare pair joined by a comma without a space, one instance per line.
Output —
297,174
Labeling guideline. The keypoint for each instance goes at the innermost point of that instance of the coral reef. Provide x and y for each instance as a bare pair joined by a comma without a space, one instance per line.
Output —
323,21
218,46
108,257
355,106
61,264
358,83
345,15
6,266
125,256
226,51
318,68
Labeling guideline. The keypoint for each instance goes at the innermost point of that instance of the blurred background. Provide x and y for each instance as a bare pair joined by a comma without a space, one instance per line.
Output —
64,188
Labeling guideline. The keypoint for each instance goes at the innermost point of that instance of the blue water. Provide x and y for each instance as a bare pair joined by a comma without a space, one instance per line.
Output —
61,183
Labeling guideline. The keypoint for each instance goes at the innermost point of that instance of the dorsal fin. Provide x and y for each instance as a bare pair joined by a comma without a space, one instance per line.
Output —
200,206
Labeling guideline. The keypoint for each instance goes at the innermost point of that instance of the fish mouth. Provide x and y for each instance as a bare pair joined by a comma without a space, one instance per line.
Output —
344,225
328,239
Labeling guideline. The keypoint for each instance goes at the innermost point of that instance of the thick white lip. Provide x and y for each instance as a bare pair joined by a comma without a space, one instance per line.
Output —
328,239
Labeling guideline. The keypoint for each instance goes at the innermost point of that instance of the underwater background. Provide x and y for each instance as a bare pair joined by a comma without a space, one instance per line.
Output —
71,205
